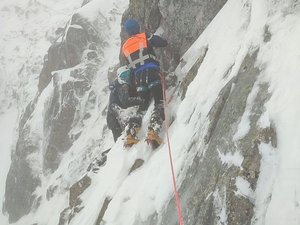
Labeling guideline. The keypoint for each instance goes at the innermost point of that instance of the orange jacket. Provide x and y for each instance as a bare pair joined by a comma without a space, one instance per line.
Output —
136,51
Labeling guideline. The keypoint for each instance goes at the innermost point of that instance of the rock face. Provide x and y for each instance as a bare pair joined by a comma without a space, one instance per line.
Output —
65,112
63,54
217,187
209,191
48,125
19,199
177,19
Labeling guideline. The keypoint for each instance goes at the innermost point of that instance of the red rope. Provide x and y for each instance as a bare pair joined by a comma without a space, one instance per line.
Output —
170,152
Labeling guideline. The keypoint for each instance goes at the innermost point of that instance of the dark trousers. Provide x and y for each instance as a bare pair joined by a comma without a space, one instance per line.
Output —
113,124
121,119
148,83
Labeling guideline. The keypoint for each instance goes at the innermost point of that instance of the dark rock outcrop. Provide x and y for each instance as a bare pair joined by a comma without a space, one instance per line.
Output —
103,210
181,22
188,79
75,205
63,54
20,185
63,113
66,52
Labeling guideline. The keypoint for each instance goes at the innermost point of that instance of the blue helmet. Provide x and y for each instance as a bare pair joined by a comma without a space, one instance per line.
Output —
123,75
132,27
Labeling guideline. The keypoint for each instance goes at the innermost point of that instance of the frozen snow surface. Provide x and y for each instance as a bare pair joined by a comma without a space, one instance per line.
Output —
239,28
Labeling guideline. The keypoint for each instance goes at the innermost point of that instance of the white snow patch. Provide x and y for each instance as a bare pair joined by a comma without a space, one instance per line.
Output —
109,10
267,176
264,120
76,26
244,125
231,159
243,188
280,59
225,50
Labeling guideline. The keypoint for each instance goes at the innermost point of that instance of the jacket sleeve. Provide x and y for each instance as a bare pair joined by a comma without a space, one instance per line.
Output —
156,41
126,100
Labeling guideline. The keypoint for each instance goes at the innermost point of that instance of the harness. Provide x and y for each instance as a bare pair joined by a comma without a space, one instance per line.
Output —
136,51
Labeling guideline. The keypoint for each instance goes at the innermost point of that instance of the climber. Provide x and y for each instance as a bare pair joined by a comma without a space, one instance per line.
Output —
141,59
121,115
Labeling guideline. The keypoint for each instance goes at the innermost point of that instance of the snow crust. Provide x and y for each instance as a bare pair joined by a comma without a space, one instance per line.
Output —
280,57
231,159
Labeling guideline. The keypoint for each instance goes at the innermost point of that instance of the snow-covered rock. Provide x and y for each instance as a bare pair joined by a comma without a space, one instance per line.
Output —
234,120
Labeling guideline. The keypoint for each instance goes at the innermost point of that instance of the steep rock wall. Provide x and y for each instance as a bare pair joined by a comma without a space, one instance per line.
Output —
180,22
62,104
211,186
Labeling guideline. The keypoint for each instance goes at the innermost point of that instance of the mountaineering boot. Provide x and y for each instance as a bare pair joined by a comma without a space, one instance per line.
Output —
153,139
131,138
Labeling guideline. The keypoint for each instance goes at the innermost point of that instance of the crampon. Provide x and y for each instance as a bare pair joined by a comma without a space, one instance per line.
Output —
153,139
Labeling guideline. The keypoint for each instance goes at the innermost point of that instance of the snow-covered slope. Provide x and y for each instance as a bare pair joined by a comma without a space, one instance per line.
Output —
234,131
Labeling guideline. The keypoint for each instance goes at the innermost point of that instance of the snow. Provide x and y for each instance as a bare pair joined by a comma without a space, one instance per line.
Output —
36,126
148,189
128,199
76,26
244,125
243,188
231,159
268,173
224,41
281,59
106,8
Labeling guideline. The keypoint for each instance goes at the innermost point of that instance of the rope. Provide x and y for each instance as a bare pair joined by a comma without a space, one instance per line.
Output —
170,152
